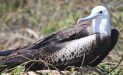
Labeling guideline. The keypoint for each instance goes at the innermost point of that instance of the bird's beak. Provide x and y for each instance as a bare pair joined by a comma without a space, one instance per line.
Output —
91,16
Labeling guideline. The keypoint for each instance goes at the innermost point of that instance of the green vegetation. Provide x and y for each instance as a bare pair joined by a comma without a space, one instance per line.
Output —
23,22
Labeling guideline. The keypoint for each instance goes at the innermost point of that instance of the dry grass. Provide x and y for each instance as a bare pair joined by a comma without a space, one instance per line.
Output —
23,22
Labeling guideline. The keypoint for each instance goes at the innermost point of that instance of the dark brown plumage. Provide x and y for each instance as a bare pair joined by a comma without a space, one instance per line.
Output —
48,48
72,33
87,43
114,39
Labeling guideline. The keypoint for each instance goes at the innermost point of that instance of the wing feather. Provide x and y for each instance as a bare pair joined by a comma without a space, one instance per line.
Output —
55,54
72,33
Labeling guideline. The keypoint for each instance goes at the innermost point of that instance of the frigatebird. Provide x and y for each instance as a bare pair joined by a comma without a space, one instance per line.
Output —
82,44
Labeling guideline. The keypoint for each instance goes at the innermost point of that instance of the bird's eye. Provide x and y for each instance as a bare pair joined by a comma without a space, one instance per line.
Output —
100,12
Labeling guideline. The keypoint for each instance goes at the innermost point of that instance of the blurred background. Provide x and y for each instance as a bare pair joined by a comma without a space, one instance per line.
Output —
23,22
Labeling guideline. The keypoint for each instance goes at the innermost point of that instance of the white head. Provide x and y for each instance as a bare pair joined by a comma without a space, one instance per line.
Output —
100,20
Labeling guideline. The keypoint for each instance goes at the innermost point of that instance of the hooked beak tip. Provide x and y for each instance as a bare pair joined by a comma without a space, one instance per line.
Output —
79,21
86,19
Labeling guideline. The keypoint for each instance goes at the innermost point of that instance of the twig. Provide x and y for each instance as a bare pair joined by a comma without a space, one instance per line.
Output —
83,60
76,72
44,63
118,73
47,64
29,60
96,69
116,65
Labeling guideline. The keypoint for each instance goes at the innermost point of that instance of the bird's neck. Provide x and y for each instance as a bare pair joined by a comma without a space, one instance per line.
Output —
102,25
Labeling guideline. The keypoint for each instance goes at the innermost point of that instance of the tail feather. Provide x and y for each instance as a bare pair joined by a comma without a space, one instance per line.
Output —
6,53
8,64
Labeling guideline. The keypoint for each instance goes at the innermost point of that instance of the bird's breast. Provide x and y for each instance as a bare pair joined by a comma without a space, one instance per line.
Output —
74,50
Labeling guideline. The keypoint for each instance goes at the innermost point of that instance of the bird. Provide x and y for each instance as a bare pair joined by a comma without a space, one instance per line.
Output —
82,44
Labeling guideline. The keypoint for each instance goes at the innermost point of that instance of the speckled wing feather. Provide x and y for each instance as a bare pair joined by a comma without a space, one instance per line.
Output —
75,32
62,54
72,33
72,52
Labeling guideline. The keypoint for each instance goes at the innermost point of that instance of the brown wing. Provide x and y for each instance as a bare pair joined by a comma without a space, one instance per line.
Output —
72,33
50,53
